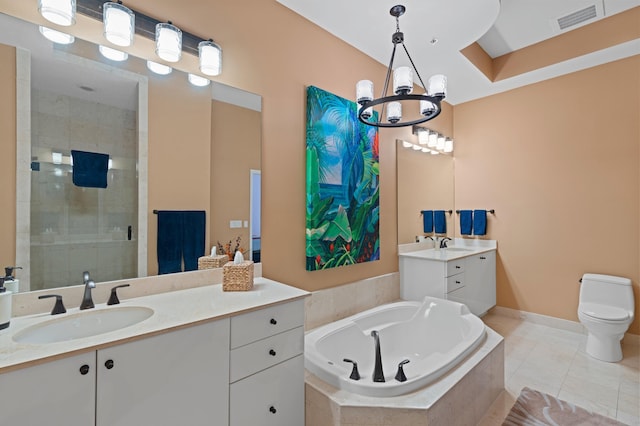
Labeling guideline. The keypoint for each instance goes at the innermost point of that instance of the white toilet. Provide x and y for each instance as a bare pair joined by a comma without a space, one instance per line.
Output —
606,310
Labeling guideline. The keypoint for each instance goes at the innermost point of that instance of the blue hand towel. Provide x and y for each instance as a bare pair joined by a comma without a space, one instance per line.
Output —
181,237
427,221
169,245
479,222
90,169
440,222
466,222
194,224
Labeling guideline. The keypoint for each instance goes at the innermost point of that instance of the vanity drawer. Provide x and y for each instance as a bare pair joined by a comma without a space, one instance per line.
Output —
273,397
455,282
455,267
256,325
257,356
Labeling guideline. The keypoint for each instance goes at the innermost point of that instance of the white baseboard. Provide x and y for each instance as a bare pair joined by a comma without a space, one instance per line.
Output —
559,323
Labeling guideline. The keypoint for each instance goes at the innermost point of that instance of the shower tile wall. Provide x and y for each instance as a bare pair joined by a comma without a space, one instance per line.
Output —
72,228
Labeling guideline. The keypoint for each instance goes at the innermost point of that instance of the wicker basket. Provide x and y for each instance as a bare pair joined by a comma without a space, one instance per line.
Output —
210,262
237,277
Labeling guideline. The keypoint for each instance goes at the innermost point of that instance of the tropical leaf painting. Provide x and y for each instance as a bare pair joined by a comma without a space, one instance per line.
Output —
342,184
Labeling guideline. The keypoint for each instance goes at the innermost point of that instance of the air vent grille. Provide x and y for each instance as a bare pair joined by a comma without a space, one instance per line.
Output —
577,17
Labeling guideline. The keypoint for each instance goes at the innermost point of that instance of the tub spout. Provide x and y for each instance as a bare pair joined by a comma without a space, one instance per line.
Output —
378,374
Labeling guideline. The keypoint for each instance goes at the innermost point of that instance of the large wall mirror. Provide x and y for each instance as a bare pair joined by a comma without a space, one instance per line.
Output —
83,102
425,182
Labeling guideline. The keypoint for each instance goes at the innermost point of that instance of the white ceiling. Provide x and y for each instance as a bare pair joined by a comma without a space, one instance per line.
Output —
499,27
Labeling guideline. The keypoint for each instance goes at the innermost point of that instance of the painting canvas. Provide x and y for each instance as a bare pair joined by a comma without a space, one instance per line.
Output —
343,194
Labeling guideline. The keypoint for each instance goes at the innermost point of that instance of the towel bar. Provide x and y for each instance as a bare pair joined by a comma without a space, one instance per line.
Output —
492,211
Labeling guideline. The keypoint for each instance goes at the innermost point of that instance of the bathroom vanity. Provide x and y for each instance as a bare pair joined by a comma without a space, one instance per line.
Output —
464,272
204,357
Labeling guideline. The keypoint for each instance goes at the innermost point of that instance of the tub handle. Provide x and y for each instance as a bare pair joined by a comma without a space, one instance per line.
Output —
400,374
355,375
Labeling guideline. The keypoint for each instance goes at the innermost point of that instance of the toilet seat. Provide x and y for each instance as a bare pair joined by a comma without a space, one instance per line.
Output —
604,312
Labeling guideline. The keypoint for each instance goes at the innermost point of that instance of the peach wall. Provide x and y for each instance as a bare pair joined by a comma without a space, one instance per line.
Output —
559,161
274,52
179,152
235,151
8,154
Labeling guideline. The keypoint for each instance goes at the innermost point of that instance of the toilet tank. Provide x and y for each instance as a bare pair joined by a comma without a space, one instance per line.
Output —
607,290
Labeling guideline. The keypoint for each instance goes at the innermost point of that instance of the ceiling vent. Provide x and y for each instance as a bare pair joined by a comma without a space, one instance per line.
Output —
578,17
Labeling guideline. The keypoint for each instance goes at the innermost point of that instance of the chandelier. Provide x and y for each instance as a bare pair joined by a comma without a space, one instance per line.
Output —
428,103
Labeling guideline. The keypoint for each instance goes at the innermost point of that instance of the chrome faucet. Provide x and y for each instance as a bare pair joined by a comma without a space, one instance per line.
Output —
443,242
378,374
87,301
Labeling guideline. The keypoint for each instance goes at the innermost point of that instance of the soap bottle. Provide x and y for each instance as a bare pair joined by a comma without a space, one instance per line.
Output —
11,283
5,306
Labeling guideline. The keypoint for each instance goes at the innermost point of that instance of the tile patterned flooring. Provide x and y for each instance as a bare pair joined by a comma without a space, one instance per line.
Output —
554,361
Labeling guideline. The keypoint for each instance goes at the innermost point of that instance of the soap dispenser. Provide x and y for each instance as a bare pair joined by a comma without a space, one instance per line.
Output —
11,283
5,306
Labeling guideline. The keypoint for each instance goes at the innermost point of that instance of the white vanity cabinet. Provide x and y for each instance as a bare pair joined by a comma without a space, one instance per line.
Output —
60,392
266,367
480,282
173,378
467,279
206,357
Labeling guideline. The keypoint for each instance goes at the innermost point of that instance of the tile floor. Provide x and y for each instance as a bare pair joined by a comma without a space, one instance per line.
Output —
554,361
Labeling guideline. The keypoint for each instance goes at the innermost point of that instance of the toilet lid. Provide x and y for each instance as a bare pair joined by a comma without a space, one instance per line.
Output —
605,312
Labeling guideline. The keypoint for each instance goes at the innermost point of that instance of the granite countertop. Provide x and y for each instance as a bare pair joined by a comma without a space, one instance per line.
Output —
172,310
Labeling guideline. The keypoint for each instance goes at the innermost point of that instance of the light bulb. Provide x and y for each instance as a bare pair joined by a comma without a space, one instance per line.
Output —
119,23
210,55
160,69
168,42
113,54
61,12
402,80
196,80
394,112
56,36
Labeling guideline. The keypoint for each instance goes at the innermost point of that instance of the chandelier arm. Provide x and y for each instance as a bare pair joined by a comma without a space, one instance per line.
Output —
414,67
386,80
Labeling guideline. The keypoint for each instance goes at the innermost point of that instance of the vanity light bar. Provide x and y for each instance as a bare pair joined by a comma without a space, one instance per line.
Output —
145,25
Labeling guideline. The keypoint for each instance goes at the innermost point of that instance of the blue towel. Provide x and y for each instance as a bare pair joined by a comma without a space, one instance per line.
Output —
466,222
181,238
90,169
439,222
479,222
193,238
169,245
427,221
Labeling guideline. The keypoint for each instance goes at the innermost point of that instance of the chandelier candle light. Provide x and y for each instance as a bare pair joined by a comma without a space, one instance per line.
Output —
429,102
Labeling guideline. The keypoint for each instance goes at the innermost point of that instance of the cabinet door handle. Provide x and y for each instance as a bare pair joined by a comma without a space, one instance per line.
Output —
272,352
84,369
109,364
457,267
482,258
272,409
273,321
457,282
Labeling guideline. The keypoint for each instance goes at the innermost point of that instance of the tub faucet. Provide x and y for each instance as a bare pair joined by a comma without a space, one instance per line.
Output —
378,374
443,242
87,301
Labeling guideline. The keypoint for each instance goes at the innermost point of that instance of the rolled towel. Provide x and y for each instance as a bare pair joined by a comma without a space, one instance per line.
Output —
466,222
427,221
479,222
439,222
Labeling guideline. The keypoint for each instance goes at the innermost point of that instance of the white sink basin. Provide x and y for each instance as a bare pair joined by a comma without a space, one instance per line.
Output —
83,324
